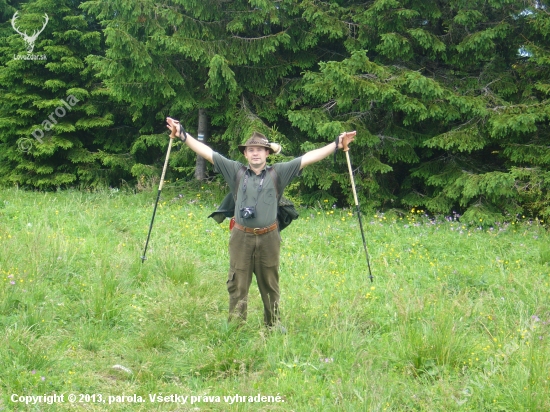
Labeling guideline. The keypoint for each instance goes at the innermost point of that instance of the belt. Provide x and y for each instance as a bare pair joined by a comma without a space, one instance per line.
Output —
256,230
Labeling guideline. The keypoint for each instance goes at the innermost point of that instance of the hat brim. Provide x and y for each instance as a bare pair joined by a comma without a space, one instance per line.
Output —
242,147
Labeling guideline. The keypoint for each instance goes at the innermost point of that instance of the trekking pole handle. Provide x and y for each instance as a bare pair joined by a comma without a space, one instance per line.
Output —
174,130
172,136
347,138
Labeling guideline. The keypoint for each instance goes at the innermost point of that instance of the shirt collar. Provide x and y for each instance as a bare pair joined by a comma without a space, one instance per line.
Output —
252,173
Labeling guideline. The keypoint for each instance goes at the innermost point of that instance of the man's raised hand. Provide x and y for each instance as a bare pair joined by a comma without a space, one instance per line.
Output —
345,139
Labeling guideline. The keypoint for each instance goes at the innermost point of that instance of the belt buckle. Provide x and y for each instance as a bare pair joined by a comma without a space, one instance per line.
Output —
255,229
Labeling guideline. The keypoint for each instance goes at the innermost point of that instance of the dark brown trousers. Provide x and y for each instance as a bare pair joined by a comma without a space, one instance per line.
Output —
258,254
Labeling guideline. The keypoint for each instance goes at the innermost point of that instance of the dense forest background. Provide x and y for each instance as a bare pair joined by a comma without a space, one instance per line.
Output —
450,99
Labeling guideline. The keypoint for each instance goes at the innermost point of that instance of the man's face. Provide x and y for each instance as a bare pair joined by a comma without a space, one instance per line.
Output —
256,156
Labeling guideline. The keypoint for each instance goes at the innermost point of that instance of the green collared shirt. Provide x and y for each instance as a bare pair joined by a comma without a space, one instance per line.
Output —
265,200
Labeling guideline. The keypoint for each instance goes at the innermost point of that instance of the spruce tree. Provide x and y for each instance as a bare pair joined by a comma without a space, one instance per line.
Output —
527,152
240,61
450,100
55,120
440,95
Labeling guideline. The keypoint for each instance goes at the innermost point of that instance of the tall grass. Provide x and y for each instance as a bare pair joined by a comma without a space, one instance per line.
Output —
456,319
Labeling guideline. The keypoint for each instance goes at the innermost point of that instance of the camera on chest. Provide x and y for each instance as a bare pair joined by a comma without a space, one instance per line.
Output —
248,212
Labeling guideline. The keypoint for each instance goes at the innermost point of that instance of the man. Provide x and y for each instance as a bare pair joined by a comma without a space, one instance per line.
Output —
254,244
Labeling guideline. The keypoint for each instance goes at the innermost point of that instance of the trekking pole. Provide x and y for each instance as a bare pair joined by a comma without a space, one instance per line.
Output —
172,136
345,141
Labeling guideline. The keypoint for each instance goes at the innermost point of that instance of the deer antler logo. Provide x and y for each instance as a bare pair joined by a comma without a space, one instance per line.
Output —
29,39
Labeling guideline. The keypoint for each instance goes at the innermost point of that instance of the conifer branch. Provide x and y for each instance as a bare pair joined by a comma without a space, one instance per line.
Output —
250,39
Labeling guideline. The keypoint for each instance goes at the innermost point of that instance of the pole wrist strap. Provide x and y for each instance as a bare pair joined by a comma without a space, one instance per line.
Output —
182,129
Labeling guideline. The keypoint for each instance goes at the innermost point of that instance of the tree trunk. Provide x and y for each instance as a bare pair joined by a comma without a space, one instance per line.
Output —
202,135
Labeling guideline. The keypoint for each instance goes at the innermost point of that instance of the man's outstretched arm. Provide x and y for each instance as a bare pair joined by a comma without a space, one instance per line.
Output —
198,147
316,155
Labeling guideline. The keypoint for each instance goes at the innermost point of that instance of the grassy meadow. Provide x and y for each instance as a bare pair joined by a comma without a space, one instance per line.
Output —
457,318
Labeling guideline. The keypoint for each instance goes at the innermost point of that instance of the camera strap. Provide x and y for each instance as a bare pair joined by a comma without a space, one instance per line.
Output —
260,187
